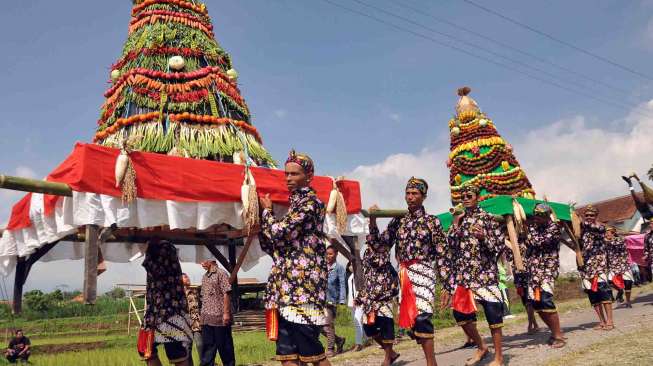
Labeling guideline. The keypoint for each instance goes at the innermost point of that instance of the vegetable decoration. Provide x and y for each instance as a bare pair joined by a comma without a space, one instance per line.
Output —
177,63
480,156
174,89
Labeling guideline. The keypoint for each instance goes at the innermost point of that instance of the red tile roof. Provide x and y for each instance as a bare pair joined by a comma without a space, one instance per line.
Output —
614,209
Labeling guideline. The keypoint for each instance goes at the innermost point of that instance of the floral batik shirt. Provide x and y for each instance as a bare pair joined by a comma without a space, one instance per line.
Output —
419,239
474,262
381,281
593,245
167,310
542,254
617,256
648,247
297,243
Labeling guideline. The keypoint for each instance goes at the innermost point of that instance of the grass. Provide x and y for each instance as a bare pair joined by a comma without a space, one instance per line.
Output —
625,349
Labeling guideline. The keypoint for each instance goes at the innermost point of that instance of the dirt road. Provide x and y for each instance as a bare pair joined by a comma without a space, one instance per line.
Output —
577,319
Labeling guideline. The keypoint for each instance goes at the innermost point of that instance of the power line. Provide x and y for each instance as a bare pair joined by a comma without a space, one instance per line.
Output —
558,40
510,47
469,53
480,47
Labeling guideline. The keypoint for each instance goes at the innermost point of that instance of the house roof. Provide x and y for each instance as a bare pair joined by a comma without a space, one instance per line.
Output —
613,210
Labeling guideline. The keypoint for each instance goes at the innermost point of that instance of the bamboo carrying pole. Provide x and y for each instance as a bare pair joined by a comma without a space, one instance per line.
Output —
241,258
577,249
35,185
384,213
512,234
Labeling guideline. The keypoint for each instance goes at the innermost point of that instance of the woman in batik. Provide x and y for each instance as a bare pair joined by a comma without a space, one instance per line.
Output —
542,240
619,269
476,241
167,310
420,245
595,269
298,280
377,299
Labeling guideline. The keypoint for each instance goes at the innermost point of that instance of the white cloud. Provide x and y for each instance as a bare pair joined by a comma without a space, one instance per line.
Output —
395,117
281,113
567,160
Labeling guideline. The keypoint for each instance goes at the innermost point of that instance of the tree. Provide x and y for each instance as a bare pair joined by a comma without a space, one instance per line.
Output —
480,156
37,301
116,293
174,89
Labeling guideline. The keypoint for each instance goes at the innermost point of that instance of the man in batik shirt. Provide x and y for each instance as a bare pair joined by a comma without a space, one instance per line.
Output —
377,299
595,270
648,249
299,276
476,241
618,266
420,246
542,253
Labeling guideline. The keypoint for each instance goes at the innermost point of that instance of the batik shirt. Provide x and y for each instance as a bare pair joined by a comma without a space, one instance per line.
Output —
593,246
167,310
299,276
617,256
381,281
193,300
474,262
542,253
648,247
418,238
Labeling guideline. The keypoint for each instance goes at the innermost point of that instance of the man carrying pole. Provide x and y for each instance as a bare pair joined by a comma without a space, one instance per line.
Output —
476,242
377,299
299,277
619,270
542,241
595,268
421,247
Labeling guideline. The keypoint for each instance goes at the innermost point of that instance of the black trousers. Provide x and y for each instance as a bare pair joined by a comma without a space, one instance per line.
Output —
217,340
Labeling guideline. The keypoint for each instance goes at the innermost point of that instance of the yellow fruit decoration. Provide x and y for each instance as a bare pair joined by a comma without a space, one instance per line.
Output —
505,166
458,179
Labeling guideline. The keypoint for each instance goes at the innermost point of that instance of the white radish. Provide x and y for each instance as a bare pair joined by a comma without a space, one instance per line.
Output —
333,198
121,167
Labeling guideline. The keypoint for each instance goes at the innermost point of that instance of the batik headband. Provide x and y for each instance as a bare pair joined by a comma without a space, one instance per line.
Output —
418,184
591,209
542,209
302,160
470,188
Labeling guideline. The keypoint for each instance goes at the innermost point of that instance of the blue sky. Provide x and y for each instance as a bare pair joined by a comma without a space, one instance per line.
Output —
357,95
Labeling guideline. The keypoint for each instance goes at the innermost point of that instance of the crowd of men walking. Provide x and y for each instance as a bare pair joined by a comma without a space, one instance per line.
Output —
306,283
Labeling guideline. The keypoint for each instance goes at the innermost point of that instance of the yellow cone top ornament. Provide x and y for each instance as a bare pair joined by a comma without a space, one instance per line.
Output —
466,108
232,74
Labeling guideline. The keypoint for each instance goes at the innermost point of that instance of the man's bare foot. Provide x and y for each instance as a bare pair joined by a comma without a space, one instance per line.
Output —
599,326
392,359
478,356
533,330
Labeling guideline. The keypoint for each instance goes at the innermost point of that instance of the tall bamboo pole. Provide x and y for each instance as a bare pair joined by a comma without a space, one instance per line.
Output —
512,234
35,185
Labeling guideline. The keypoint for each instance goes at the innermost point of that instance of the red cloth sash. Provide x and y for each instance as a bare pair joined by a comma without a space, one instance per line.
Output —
408,306
371,318
520,291
618,281
272,324
463,300
537,295
145,343
595,284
